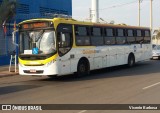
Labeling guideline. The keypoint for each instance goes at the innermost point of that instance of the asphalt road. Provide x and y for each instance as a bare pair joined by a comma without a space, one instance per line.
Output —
117,85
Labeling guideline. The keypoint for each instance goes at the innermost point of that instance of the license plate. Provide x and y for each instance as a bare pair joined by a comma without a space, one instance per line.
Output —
32,71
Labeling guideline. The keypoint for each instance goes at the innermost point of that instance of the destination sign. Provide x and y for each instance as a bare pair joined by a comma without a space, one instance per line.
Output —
35,25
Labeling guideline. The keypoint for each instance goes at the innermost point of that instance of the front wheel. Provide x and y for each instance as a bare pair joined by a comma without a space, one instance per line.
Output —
83,68
131,61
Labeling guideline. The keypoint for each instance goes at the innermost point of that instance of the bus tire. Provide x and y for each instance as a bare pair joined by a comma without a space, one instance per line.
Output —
131,60
83,68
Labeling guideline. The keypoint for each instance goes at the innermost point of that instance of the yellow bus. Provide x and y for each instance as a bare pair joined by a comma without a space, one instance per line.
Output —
63,46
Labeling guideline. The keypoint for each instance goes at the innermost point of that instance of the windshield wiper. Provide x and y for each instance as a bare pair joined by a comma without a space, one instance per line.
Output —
39,35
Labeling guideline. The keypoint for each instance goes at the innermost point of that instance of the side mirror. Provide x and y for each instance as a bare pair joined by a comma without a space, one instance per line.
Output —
13,37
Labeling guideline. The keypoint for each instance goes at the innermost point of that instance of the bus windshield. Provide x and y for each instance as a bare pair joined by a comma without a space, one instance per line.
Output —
42,40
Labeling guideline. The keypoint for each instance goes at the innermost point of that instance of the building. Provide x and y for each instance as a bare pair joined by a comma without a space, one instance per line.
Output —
29,9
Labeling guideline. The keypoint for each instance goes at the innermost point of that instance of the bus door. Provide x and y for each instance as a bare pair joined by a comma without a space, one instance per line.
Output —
138,50
64,39
138,47
147,45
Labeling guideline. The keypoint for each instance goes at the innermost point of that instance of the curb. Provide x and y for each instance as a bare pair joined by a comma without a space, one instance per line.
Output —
8,74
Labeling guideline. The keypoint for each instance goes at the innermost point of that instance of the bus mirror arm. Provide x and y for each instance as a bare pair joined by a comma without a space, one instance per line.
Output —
13,37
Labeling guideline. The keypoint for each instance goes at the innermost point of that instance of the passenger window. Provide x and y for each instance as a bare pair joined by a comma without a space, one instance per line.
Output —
120,32
139,40
131,40
64,38
109,32
139,37
130,37
97,37
130,33
109,37
121,40
139,33
147,33
82,36
147,38
110,40
81,31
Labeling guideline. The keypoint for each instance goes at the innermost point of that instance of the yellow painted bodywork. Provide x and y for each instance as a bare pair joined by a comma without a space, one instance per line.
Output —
38,62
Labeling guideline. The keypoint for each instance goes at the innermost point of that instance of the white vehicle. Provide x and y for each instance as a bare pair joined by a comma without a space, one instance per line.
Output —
156,52
62,46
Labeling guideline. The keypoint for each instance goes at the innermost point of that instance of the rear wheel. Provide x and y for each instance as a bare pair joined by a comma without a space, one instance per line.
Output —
83,68
131,61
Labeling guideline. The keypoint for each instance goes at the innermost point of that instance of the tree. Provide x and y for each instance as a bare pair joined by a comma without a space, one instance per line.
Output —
7,10
158,36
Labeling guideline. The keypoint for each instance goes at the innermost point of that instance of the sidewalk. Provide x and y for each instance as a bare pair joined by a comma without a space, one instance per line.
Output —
4,71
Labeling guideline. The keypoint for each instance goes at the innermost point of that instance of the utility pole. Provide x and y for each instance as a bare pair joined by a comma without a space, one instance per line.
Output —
95,10
151,16
90,14
139,12
139,15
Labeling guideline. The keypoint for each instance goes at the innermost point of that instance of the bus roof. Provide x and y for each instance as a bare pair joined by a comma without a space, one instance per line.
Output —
72,21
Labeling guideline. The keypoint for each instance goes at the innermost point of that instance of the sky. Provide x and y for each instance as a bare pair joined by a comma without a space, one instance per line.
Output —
120,13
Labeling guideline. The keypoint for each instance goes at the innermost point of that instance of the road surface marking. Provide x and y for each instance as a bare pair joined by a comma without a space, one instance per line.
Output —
151,86
82,111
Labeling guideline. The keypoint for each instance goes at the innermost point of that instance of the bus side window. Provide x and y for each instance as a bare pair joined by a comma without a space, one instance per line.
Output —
109,36
139,37
82,35
120,39
130,36
97,36
147,37
64,38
